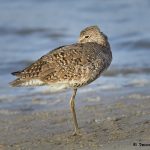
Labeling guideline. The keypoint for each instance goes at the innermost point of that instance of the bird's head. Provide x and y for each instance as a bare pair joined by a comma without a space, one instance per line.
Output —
92,34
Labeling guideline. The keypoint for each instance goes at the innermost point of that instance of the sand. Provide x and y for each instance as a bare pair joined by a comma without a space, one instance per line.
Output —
123,124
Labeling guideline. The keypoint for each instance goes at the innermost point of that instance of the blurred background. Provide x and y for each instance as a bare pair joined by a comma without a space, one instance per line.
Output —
31,28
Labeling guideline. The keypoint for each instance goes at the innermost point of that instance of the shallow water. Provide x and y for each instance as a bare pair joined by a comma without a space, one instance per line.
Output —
29,29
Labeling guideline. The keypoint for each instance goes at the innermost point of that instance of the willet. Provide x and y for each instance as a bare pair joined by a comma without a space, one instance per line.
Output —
70,66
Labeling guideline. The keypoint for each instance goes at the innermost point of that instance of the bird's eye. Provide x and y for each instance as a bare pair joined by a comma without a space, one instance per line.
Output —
86,36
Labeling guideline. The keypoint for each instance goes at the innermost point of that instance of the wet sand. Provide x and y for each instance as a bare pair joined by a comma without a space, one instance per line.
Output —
116,125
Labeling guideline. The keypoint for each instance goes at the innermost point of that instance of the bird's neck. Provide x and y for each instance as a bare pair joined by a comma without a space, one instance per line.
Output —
102,39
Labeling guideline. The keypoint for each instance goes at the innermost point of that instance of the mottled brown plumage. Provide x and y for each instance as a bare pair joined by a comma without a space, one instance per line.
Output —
70,66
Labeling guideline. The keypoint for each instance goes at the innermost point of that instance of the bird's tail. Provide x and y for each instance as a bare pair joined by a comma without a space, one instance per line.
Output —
17,83
17,73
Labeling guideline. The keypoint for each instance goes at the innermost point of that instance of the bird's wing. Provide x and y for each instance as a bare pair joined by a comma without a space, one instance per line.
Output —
71,62
62,63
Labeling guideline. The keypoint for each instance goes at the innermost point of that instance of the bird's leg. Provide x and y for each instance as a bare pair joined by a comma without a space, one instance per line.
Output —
72,106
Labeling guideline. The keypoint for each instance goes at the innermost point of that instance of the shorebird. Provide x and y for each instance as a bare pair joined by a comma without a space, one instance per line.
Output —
70,66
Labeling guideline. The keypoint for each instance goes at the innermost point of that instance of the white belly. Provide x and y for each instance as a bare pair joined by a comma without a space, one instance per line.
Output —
53,87
58,87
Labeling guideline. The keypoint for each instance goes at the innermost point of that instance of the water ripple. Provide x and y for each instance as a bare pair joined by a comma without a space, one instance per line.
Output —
51,33
126,71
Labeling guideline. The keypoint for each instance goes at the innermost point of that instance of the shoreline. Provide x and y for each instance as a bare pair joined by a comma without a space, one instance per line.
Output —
116,125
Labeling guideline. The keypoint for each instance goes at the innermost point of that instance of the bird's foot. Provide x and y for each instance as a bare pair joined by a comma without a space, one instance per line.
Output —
77,133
